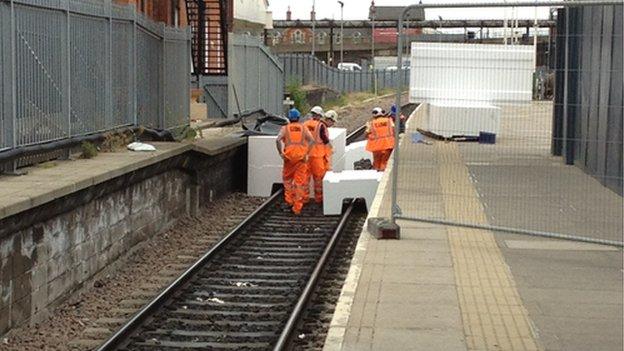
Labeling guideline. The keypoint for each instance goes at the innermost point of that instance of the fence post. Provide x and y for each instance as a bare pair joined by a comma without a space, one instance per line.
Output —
161,89
109,83
67,74
10,111
135,93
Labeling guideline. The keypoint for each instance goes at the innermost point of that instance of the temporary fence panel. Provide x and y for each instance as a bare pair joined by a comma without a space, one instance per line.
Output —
501,165
307,69
76,67
255,76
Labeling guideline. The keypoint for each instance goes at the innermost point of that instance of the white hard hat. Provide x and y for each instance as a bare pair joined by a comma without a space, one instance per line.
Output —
378,111
331,114
317,110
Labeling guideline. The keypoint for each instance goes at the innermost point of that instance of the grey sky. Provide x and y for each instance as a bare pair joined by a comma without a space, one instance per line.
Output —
358,9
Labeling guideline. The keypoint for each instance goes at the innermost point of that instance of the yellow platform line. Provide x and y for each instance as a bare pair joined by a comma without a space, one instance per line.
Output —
493,315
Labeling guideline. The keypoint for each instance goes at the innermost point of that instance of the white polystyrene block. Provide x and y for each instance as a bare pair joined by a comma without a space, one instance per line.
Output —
348,185
355,152
338,139
467,119
264,165
471,72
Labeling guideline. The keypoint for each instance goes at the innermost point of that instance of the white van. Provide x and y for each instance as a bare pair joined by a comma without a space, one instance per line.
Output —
349,66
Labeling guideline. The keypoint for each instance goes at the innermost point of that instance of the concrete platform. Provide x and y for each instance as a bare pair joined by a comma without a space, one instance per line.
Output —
42,185
452,288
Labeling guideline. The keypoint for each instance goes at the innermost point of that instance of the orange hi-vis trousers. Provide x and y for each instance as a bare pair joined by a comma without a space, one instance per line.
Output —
295,178
317,169
380,159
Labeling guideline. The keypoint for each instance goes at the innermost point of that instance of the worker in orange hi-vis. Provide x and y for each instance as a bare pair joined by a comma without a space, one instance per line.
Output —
316,161
329,120
380,133
293,144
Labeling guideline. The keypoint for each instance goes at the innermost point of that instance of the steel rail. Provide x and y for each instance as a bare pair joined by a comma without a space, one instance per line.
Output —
136,321
291,324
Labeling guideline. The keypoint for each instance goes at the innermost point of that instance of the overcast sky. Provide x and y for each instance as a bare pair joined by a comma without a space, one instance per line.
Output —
358,9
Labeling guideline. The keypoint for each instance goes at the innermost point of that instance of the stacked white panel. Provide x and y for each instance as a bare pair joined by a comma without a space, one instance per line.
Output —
450,120
442,72
264,165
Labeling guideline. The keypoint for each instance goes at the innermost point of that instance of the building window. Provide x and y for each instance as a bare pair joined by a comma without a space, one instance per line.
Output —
297,37
277,36
357,37
321,38
142,6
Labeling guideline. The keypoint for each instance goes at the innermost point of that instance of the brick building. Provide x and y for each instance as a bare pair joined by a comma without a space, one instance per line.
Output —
170,12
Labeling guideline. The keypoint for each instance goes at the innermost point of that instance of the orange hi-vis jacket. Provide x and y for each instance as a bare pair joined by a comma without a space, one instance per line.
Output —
381,135
318,149
295,144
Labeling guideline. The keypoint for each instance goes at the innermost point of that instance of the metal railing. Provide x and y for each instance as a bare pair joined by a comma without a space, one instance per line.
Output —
548,168
306,69
71,68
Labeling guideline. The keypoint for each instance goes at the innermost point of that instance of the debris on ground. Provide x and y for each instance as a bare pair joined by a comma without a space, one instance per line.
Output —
138,146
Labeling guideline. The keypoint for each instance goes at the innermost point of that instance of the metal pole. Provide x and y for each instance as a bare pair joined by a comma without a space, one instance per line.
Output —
373,51
509,230
313,26
341,31
396,211
564,132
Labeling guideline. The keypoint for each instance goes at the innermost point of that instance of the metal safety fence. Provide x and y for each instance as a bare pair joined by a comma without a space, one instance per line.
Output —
309,70
254,80
481,151
76,67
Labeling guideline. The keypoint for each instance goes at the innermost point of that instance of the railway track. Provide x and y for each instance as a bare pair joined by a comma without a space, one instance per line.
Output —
249,291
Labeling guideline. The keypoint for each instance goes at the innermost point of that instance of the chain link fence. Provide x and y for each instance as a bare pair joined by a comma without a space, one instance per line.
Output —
481,150
75,67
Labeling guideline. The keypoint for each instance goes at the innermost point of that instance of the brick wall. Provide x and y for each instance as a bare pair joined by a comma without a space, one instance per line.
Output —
40,264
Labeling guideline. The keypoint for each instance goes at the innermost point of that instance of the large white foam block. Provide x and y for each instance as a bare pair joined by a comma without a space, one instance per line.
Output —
471,72
355,152
338,139
454,119
264,165
348,185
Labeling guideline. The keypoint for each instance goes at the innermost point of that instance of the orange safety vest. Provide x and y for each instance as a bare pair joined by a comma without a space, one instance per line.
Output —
318,148
295,146
381,135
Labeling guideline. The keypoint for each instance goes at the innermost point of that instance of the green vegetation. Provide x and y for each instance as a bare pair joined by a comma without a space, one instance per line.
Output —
297,95
89,150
